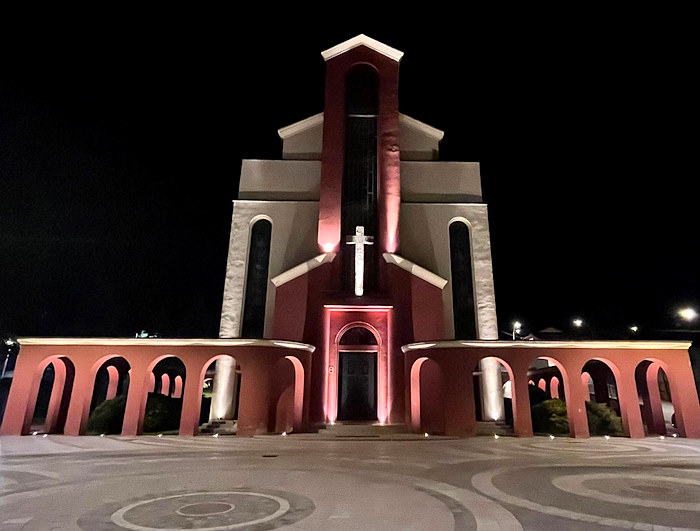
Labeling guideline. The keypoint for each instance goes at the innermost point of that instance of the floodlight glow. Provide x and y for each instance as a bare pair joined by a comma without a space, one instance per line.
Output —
551,437
46,435
102,434
284,434
578,323
688,314
35,433
426,435
634,328
160,435
661,437
607,437
674,435
215,435
495,436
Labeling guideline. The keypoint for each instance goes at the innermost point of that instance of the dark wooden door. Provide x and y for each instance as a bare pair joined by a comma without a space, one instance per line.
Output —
357,386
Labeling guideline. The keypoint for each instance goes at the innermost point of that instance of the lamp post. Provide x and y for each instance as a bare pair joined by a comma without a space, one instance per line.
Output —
517,326
688,314
9,343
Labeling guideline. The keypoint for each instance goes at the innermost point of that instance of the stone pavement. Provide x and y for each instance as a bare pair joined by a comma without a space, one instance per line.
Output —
301,482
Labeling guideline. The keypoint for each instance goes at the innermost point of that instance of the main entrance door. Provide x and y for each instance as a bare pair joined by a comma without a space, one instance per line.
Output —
357,386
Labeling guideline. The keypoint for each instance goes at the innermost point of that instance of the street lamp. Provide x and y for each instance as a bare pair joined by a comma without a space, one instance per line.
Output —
634,329
688,314
9,343
578,323
517,326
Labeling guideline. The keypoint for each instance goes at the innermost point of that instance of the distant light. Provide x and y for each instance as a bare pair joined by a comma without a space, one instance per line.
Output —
551,437
688,314
284,434
9,342
578,323
495,435
634,328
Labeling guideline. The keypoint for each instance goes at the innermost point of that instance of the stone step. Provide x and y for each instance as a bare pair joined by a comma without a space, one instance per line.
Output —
493,428
222,427
368,430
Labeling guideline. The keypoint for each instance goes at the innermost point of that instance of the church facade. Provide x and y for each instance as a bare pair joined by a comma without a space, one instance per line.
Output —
358,290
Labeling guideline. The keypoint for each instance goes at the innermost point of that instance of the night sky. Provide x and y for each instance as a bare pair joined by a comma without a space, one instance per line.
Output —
120,151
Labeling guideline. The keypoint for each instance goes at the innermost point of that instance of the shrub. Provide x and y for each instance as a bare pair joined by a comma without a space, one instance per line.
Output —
549,416
537,395
108,416
162,414
602,420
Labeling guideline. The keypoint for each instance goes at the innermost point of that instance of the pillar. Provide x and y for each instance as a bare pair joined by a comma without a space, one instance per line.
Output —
140,380
79,407
522,418
460,415
23,394
629,404
648,386
191,400
684,397
575,401
253,411
491,389
224,390
54,409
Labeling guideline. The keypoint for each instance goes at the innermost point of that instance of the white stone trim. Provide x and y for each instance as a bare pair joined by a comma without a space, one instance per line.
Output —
420,126
362,40
605,345
300,126
129,342
415,269
302,269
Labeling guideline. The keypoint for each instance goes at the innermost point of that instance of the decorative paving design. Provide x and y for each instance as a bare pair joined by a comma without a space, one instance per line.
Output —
258,510
674,498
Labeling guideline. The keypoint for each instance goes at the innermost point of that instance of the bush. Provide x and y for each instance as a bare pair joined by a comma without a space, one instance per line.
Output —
549,416
602,420
162,414
537,395
108,416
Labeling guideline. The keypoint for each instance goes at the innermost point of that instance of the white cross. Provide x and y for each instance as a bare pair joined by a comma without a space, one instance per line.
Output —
359,240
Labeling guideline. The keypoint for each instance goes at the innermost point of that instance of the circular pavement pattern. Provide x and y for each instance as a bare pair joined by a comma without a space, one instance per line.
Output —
257,510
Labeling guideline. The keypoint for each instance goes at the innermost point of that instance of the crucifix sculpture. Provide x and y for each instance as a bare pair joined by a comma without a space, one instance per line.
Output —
359,240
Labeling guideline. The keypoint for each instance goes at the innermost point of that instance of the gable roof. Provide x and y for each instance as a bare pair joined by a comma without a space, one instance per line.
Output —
362,40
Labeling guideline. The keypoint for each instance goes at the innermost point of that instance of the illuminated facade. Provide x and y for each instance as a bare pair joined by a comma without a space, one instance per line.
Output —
308,340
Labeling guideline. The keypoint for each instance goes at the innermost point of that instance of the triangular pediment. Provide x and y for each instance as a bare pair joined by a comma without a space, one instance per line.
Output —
362,40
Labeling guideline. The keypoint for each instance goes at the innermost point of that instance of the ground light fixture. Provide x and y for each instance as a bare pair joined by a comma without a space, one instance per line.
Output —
495,436
551,437
426,435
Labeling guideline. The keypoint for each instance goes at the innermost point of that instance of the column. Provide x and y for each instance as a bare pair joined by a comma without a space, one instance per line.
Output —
522,418
629,404
191,400
652,399
139,378
54,408
575,399
491,389
79,407
253,411
460,415
224,390
23,393
684,397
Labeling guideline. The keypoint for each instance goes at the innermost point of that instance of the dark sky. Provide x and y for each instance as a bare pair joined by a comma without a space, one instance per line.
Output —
120,150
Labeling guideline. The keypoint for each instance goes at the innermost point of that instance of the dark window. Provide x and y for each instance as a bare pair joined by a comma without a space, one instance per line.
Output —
359,203
256,280
462,284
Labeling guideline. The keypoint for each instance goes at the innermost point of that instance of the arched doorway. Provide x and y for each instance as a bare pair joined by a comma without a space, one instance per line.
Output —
357,375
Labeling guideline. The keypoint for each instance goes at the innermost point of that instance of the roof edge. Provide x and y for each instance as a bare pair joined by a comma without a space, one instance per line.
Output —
362,40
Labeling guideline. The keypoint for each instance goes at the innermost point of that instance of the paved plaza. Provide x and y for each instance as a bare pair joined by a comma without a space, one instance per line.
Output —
310,482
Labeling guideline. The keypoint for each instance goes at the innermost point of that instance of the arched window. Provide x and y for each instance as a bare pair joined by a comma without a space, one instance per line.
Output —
359,200
256,280
462,284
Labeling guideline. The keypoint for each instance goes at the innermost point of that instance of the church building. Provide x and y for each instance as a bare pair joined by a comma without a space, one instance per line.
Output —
358,290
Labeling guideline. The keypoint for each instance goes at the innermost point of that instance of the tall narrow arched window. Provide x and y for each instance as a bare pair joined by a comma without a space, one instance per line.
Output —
256,280
359,200
462,283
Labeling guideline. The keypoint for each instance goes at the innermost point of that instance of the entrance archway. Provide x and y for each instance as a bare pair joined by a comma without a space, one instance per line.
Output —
357,375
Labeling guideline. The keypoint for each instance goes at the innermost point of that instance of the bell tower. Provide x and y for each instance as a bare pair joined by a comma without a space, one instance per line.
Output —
360,168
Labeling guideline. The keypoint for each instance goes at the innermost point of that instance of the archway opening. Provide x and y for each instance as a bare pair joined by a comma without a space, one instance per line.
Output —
655,402
109,393
427,399
162,410
547,398
487,425
221,383
53,398
603,405
357,375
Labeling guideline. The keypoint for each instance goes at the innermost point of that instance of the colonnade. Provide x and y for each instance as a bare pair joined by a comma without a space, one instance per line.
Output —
447,366
274,377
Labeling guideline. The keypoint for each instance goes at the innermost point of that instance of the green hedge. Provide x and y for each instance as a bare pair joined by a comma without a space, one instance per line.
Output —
549,416
162,414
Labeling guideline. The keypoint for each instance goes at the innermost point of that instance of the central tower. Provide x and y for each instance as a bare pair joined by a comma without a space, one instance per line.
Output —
360,166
